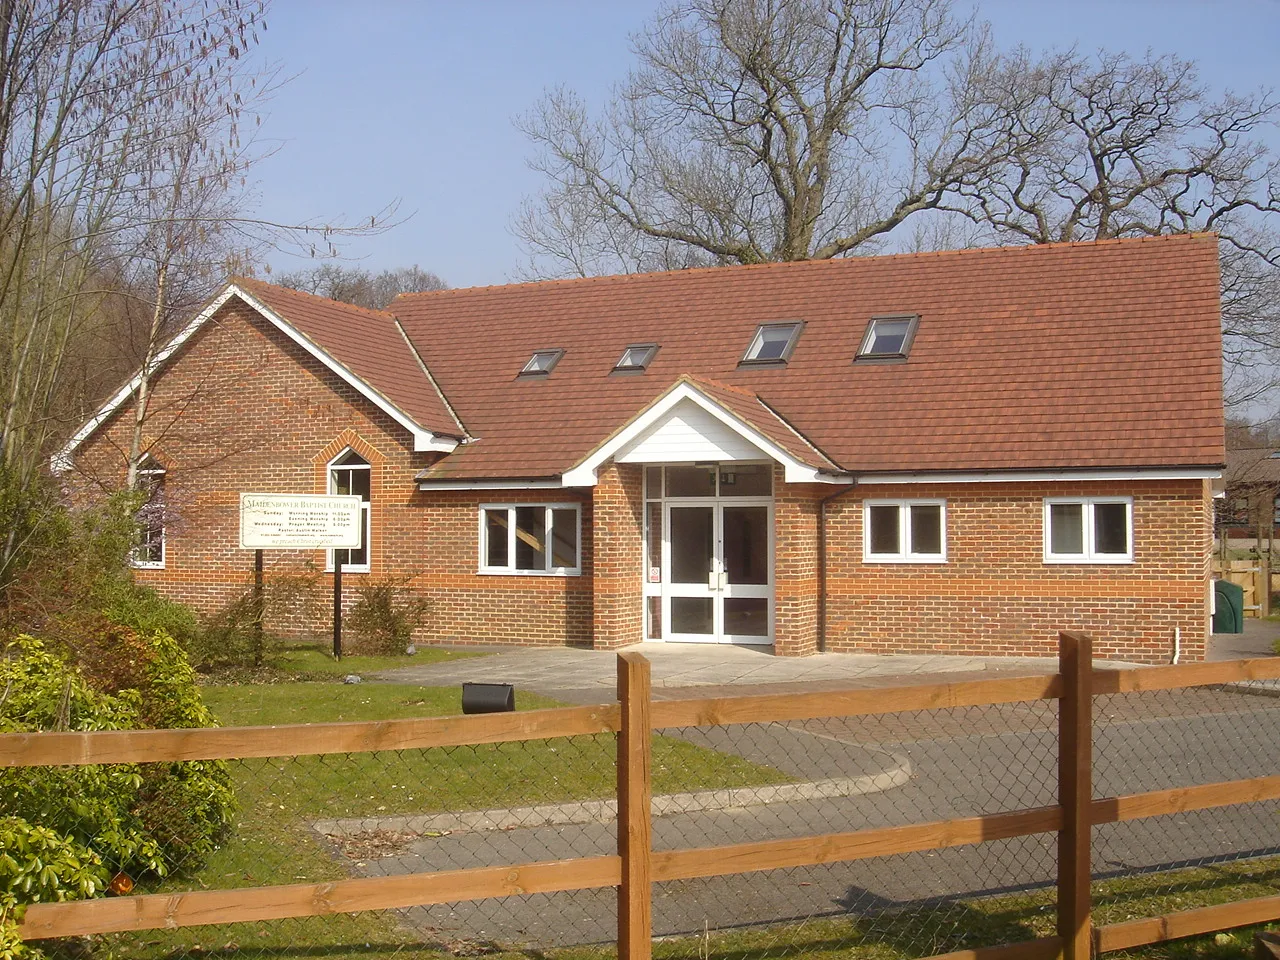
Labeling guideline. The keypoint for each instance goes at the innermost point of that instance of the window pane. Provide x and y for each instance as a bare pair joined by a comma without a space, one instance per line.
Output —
746,544
360,484
747,480
359,557
495,537
653,542
691,615
342,482
884,529
564,538
887,336
1066,528
1110,528
654,605
531,538
746,616
771,342
692,531
926,529
653,482
691,481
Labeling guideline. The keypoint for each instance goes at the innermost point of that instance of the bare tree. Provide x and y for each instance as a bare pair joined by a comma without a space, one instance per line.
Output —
757,130
1116,146
362,287
122,196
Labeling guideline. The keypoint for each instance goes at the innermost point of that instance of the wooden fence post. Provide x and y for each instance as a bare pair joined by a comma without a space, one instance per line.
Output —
635,911
1075,793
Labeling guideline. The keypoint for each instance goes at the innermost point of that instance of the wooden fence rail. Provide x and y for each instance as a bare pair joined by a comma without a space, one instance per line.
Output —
637,866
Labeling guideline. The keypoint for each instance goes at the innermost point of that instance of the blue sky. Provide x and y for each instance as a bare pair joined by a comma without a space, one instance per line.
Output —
415,101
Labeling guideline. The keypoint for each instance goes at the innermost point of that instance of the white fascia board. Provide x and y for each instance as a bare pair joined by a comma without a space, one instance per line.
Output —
422,439
429,485
585,474
1030,476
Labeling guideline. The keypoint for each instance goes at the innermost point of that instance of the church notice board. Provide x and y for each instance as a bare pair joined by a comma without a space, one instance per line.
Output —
288,521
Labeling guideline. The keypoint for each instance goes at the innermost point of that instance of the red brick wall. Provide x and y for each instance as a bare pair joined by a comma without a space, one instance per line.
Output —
245,409
795,572
618,500
995,595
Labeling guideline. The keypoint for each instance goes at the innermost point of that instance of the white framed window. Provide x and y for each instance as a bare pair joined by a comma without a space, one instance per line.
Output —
531,538
888,338
1088,530
541,363
149,552
350,474
773,343
636,357
904,531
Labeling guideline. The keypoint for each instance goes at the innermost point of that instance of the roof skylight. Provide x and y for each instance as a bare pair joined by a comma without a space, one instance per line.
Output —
541,363
636,357
888,338
773,343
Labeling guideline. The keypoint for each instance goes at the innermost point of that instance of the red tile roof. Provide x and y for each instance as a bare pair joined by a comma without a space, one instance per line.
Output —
1049,357
369,344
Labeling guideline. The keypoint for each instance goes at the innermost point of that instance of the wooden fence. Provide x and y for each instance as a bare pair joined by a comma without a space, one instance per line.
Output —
1250,575
636,866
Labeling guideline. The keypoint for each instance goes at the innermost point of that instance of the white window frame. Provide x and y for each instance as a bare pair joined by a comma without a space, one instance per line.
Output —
1090,554
366,517
510,569
903,554
134,561
865,351
752,356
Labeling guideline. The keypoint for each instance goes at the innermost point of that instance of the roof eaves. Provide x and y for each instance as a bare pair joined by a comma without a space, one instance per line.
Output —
423,438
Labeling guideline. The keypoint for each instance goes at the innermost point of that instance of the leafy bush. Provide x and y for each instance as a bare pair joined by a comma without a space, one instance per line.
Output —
140,819
232,637
385,614
38,865
75,572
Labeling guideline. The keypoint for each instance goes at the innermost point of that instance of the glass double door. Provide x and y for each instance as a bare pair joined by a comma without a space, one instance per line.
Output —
718,572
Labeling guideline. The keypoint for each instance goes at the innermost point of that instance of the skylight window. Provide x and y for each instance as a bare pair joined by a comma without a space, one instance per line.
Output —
636,357
541,363
888,338
773,343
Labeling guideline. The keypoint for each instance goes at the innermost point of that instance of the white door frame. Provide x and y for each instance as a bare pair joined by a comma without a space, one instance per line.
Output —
716,586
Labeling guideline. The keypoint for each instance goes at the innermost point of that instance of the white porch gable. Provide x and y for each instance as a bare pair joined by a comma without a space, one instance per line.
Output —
688,433
685,425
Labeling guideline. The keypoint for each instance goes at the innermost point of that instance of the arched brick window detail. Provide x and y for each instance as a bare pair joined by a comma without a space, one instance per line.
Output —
351,474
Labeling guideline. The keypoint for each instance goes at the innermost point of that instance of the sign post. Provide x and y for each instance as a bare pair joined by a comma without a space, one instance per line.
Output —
287,521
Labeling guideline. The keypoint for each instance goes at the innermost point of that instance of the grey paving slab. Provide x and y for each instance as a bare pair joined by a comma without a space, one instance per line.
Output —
1256,641
556,670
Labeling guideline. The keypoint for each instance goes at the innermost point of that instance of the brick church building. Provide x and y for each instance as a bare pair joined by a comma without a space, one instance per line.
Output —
958,452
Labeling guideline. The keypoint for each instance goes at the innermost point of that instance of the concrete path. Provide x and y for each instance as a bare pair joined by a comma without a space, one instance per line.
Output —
589,676
1256,641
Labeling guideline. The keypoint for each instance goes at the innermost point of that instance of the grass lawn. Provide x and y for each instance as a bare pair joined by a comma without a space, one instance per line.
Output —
277,797
297,661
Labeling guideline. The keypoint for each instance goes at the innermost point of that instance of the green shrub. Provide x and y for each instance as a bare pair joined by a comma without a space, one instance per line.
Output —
385,614
38,865
138,818
235,636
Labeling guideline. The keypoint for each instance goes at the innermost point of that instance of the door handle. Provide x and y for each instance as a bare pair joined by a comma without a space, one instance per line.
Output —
713,580
724,580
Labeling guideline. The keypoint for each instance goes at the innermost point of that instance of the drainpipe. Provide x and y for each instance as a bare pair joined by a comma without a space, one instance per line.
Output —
822,563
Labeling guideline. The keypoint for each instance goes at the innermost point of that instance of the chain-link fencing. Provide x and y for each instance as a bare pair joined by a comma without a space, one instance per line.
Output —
317,821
